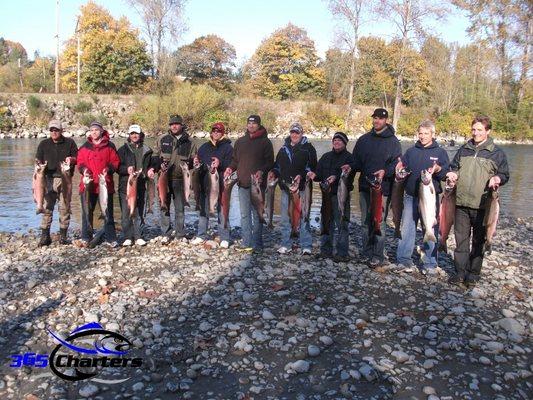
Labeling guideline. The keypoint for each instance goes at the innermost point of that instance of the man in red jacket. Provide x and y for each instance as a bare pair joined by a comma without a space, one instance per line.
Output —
98,156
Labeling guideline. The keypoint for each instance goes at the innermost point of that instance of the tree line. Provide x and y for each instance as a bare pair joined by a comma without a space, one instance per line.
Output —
415,74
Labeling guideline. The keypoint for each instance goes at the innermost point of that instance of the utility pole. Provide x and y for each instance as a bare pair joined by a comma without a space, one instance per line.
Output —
57,48
79,53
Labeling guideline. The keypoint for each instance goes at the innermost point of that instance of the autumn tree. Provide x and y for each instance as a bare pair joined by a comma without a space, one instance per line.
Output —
114,59
285,65
11,52
410,18
208,59
161,19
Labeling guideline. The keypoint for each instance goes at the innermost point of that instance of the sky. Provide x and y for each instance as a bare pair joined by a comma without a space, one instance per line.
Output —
242,23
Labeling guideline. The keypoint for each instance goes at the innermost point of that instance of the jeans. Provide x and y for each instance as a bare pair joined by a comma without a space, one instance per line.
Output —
54,192
338,230
87,230
252,228
469,223
131,226
306,240
175,191
406,244
372,246
203,220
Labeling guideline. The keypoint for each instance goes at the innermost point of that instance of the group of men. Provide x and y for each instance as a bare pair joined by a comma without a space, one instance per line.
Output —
478,166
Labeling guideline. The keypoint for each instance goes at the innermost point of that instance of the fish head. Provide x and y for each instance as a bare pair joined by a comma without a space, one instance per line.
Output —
65,167
425,177
373,180
403,173
273,182
87,180
325,185
40,167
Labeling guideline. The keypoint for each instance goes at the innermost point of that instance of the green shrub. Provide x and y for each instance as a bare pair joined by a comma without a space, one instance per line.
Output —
86,119
37,110
6,119
215,116
82,106
321,116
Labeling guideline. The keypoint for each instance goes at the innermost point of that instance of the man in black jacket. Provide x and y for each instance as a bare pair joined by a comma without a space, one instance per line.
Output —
55,150
171,149
134,156
376,154
295,159
328,171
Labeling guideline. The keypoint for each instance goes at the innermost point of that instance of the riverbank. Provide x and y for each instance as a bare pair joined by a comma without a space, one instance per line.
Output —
216,323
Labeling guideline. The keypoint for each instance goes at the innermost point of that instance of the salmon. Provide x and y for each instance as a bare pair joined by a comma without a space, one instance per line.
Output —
186,182
427,205
86,198
446,215
196,184
150,195
342,194
214,191
229,182
162,187
307,199
102,194
325,209
131,192
398,189
269,200
66,184
257,199
492,211
376,206
39,185
295,205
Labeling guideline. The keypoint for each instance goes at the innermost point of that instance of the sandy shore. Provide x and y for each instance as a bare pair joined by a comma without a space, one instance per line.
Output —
212,323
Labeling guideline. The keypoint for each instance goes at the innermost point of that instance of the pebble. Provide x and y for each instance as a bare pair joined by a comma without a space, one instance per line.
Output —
400,356
313,350
88,390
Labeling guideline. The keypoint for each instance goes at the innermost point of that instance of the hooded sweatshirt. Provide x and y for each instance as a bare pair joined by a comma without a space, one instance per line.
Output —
295,160
94,158
373,152
252,153
419,158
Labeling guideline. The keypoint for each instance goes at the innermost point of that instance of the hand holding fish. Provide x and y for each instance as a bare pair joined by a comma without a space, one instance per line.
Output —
331,179
259,176
150,173
271,176
494,182
435,169
195,161
215,162
379,174
68,160
227,172
131,170
346,168
452,177
311,175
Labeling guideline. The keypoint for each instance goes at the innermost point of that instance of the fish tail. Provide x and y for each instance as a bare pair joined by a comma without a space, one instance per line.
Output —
397,234
487,249
429,236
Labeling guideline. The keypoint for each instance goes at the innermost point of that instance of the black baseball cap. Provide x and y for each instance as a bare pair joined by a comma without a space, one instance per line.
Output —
175,119
254,118
380,113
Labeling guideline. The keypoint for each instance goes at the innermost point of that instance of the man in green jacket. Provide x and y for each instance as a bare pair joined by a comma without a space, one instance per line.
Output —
478,166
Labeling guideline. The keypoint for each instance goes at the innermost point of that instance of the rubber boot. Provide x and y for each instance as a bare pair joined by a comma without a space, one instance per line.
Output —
45,237
63,238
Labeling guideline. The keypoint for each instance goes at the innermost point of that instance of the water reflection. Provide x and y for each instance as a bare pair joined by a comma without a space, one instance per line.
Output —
17,212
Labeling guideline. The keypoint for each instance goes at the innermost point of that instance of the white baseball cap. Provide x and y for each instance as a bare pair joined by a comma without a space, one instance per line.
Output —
134,128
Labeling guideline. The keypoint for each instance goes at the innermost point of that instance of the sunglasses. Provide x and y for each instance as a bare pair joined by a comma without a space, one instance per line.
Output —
217,130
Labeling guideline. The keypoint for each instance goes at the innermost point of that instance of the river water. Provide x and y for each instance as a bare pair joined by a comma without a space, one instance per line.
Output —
17,209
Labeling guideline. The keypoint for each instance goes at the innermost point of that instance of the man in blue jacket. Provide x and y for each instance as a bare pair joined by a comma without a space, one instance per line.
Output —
376,154
426,154
216,153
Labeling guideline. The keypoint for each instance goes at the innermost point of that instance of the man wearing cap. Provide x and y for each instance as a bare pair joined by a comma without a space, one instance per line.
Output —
213,155
172,148
294,160
253,154
134,156
328,171
55,150
97,156
376,154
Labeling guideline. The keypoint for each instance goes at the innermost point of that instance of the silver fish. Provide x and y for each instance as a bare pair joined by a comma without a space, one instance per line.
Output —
102,195
66,184
257,199
269,200
342,194
186,182
492,211
427,203
307,199
39,186
214,191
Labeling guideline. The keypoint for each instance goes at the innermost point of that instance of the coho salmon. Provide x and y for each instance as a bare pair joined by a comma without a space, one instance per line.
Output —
131,191
229,182
492,211
446,215
87,190
162,188
376,206
39,185
269,200
256,197
186,182
342,194
398,189
325,209
214,190
102,194
307,199
150,195
427,204
196,184
295,205
66,184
